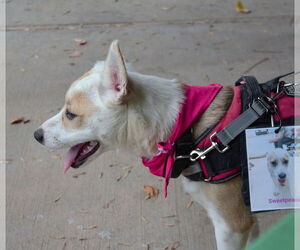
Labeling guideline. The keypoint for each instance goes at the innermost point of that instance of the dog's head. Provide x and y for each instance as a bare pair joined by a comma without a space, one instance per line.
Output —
278,162
89,121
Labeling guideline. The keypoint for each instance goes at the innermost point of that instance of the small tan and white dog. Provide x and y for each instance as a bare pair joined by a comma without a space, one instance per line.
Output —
113,107
278,166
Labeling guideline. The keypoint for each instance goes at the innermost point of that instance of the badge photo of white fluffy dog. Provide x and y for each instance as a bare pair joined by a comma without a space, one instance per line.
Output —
278,162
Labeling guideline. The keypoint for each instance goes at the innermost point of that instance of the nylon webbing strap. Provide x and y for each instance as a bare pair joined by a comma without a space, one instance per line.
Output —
253,113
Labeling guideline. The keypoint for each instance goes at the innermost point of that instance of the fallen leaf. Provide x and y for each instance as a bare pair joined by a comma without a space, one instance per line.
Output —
144,219
189,204
18,120
26,121
58,237
100,175
239,7
66,12
151,192
82,239
175,245
128,167
168,216
78,174
105,206
124,175
89,228
80,42
168,224
75,53
58,198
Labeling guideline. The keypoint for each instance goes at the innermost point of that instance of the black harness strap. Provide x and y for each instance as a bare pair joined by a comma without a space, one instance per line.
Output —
183,146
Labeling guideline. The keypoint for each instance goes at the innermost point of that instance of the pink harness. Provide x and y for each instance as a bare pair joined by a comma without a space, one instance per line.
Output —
197,100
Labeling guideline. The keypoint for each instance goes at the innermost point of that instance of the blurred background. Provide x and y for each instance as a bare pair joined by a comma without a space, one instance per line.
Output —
50,43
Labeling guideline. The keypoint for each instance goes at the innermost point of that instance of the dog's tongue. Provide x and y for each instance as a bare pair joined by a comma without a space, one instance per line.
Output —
71,155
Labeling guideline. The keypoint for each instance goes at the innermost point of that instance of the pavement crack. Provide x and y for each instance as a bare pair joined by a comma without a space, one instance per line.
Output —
75,26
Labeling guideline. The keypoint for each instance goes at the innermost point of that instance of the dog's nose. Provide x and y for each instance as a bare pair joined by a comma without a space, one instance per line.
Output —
39,135
282,175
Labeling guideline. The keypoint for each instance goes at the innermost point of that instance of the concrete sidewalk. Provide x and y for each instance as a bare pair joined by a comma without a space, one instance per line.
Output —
198,42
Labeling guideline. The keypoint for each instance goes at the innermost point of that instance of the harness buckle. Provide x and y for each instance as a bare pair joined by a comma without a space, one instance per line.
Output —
198,153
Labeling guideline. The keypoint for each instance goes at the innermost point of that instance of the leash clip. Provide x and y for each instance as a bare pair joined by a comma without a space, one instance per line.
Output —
198,153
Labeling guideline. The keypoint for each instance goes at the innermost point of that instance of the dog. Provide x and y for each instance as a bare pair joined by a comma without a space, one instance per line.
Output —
278,166
114,107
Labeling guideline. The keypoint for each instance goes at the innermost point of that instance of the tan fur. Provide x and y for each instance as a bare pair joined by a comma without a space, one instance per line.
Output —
215,111
226,196
79,104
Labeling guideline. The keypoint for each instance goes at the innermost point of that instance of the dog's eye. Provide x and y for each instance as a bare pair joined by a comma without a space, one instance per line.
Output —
70,115
274,163
285,161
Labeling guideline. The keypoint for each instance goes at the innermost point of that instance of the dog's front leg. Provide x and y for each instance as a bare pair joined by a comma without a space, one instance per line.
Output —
232,226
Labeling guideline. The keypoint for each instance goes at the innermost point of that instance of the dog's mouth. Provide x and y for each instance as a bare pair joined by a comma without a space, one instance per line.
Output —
281,181
79,153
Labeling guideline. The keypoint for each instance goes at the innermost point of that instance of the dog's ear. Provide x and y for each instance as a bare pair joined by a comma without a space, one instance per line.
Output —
115,74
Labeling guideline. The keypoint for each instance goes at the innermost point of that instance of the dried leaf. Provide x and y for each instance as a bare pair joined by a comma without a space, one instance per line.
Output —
128,167
58,237
105,206
82,239
175,245
108,204
26,121
18,120
168,224
189,204
58,198
80,42
66,12
100,175
83,211
239,7
75,53
124,175
169,216
78,174
144,219
151,192
89,228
